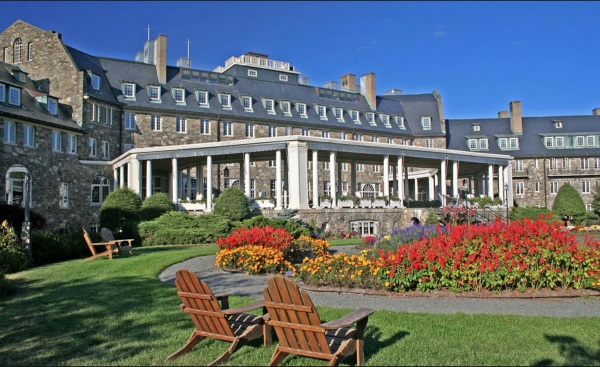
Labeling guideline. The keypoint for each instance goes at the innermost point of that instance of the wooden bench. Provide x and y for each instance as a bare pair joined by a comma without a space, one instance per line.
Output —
109,248
108,236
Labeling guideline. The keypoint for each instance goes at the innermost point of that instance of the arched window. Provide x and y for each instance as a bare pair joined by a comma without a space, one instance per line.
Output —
100,189
365,227
18,51
15,185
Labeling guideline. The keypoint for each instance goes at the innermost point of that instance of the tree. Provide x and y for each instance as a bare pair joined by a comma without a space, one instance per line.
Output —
232,204
155,206
121,206
568,202
596,202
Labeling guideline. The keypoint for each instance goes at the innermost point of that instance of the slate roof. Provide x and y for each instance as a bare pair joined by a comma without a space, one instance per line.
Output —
412,107
531,144
86,62
31,110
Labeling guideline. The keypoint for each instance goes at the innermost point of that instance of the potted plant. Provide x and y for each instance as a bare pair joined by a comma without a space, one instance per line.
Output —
325,201
380,202
191,205
394,201
365,203
346,201
264,202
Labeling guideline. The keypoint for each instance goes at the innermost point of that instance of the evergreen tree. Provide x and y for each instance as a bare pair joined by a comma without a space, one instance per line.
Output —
568,202
596,202
232,204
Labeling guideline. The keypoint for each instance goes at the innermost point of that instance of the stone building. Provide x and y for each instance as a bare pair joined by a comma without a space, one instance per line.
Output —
254,122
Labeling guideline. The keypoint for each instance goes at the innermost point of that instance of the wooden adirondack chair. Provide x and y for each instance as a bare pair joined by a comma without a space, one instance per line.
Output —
212,321
108,236
300,331
108,247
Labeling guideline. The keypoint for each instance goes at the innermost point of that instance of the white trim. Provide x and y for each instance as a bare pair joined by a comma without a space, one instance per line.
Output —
124,89
283,78
252,73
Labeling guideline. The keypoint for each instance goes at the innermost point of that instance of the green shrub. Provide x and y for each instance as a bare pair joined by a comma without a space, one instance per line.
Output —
12,256
155,206
180,228
569,202
50,247
531,212
232,204
432,218
120,206
5,285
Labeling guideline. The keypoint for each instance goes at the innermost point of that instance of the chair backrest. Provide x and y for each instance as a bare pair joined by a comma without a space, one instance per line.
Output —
107,235
201,304
294,317
88,240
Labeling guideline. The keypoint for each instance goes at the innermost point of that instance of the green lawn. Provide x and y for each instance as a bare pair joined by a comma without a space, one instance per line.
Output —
346,241
118,313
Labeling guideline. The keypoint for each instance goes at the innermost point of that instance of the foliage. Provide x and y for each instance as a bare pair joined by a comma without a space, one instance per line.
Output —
292,226
49,247
596,201
155,206
568,202
306,246
399,237
180,228
12,256
432,218
340,270
270,237
354,199
232,204
254,260
486,200
121,205
15,215
531,212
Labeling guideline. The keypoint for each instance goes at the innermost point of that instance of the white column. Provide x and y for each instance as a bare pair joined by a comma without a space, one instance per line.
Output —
115,179
490,181
395,180
278,196
188,186
443,181
353,178
501,183
332,179
199,182
339,180
436,183
386,176
454,179
148,178
122,176
297,157
209,183
247,174
175,180
400,170
135,176
315,177
406,184
431,188
510,184
416,189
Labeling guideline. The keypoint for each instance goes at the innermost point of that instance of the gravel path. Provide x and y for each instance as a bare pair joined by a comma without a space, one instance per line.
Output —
241,284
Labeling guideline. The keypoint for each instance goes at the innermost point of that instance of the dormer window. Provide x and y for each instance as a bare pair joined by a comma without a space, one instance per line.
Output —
225,100
14,96
386,120
22,77
252,73
503,143
283,78
96,82
285,108
179,95
400,122
322,111
52,106
154,93
476,127
301,109
371,118
579,141
202,97
270,106
483,144
514,143
339,114
426,122
129,90
478,144
590,141
558,124
247,103
355,117
560,141
549,142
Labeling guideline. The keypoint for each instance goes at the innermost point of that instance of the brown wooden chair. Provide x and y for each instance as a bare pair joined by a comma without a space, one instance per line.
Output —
108,236
300,331
217,322
109,248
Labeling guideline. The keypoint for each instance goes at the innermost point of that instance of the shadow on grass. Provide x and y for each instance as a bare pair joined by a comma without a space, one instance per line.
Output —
572,351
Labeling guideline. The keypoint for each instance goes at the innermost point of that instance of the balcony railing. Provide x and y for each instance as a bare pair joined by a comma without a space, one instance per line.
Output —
254,61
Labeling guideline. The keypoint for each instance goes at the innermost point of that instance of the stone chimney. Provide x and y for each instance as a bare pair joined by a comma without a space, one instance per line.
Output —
596,111
348,82
503,114
160,58
516,117
367,89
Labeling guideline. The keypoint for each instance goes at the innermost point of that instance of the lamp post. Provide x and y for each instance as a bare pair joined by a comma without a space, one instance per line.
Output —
506,196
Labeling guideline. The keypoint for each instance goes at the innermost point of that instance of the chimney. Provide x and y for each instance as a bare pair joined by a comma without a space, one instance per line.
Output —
596,111
516,117
160,58
367,89
348,82
503,114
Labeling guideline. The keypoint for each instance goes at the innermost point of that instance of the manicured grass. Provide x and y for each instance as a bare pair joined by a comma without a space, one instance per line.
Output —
346,241
118,313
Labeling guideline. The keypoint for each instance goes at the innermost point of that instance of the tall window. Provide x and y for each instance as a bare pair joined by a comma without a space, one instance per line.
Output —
2,92
288,131
9,132
566,163
100,189
591,141
371,118
375,168
180,125
325,134
155,123
305,132
552,163
322,112
536,186
247,103
386,120
302,109
354,115
128,90
204,127
514,143
154,93
225,100
227,128
503,143
549,142
596,163
483,144
426,122
18,51
518,165
429,143
28,136
249,130
585,187
272,131
400,122
96,82
339,114
72,144
579,141
178,95
56,141
358,137
63,200
553,187
344,166
520,188
325,165
14,96
269,106
52,106
202,98
129,121
30,51
585,163
93,144
390,140
359,167
285,107
560,141
272,187
105,150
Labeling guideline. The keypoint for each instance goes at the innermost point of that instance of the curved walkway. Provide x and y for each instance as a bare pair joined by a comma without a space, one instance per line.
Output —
241,284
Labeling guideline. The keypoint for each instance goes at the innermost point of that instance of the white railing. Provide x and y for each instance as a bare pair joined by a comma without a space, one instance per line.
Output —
256,61
219,69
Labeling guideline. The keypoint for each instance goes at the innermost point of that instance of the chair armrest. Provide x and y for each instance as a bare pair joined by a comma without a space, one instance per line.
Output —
349,319
224,298
243,309
101,243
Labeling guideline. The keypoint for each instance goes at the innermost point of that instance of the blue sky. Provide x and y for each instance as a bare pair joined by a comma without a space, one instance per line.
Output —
478,55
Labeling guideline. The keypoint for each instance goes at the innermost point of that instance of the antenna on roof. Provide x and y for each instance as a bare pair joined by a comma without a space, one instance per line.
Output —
149,32
188,54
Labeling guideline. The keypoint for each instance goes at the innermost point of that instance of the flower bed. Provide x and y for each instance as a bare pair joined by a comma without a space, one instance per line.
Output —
495,257
267,236
254,260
